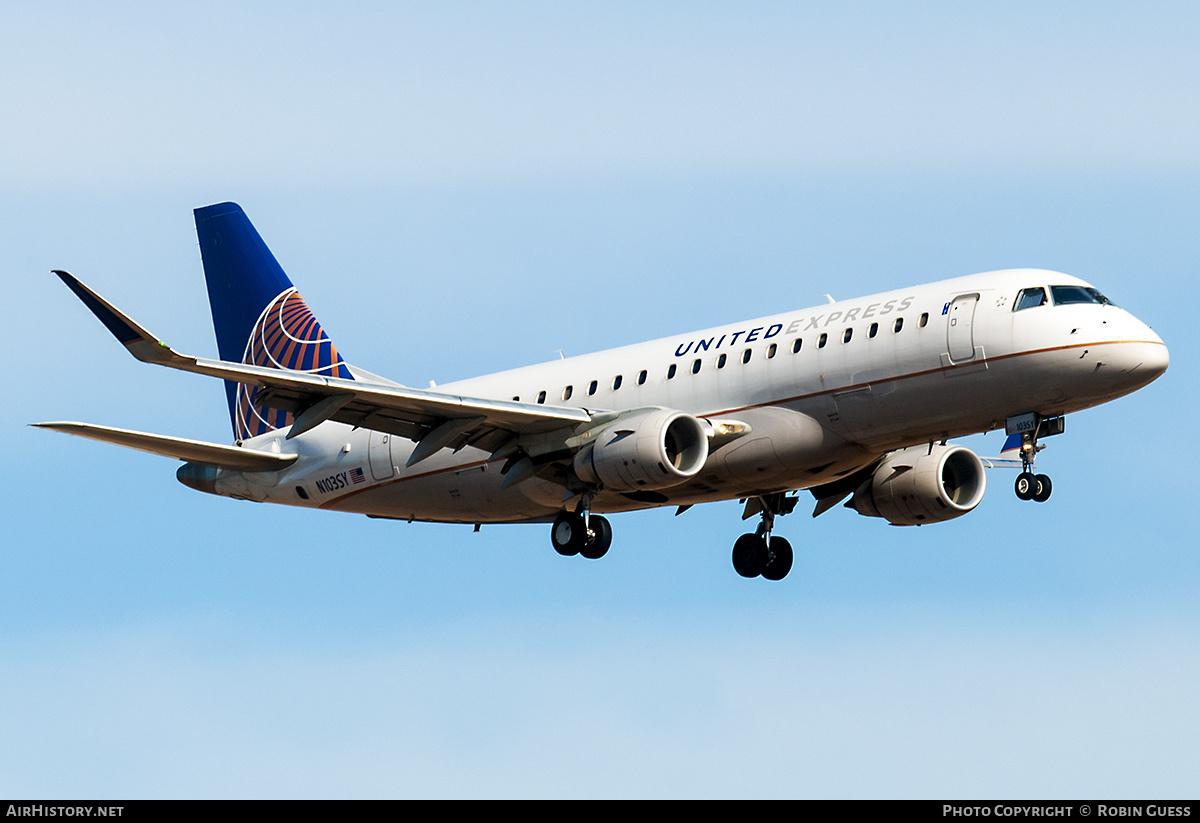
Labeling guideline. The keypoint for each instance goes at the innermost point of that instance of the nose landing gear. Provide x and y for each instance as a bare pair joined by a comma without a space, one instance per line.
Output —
1030,486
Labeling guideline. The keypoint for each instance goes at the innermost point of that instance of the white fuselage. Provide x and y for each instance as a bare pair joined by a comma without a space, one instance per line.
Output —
824,392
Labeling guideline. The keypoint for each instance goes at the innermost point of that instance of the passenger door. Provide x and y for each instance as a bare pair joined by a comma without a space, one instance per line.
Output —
960,339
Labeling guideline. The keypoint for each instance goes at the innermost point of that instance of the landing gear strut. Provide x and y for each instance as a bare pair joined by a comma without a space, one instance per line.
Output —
580,532
761,553
1030,486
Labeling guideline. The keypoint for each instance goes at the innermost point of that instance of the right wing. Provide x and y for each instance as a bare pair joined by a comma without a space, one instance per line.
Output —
1010,455
193,451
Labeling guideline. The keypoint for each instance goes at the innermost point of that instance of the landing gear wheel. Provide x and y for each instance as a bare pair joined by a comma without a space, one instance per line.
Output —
599,538
568,534
749,555
1031,426
1041,488
780,562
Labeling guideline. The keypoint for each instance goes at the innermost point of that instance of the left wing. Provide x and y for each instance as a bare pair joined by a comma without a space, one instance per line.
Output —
434,419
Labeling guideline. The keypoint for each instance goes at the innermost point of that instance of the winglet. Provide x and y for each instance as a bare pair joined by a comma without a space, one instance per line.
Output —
1010,455
141,344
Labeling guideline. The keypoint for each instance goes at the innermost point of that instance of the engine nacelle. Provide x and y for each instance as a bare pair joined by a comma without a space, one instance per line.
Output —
652,450
919,485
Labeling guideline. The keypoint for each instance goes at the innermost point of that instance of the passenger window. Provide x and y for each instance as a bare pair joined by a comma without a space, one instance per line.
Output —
847,334
874,330
822,340
642,377
670,371
721,362
1030,298
696,366
616,382
567,393
898,325
924,319
746,356
796,344
771,351
592,387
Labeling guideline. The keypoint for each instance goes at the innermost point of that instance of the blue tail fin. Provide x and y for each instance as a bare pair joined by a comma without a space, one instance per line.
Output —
258,315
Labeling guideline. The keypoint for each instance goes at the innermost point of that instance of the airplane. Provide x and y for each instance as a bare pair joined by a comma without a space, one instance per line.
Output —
852,399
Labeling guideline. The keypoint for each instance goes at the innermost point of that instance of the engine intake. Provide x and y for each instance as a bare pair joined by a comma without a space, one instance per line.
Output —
922,485
652,450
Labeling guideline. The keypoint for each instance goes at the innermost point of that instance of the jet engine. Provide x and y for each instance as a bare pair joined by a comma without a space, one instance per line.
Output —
922,485
650,450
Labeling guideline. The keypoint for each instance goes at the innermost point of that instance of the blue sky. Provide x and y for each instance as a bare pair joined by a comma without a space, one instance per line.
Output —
462,188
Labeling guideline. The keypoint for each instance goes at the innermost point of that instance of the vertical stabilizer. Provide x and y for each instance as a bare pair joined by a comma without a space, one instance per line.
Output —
258,315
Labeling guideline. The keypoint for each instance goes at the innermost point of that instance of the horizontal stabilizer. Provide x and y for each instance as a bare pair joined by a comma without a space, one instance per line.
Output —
193,451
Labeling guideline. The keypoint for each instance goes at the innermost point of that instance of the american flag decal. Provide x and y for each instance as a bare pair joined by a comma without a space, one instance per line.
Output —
356,476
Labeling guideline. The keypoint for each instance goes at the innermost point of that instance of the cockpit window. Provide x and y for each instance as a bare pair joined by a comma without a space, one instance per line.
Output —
1029,298
1064,295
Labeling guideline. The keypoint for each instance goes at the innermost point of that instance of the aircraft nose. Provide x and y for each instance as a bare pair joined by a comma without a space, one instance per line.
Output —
1154,354
1143,356
1156,359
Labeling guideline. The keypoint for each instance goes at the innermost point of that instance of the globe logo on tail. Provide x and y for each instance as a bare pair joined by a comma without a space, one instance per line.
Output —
286,336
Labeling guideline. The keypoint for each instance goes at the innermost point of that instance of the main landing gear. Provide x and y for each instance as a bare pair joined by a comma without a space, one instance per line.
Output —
1030,486
581,533
761,553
